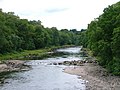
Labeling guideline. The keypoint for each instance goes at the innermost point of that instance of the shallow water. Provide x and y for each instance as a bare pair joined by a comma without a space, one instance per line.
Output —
44,76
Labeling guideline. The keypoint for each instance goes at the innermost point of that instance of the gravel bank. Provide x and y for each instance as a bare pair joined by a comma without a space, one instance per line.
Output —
97,77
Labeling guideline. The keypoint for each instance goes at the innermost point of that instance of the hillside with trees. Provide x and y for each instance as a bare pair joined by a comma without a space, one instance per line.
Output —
102,37
20,34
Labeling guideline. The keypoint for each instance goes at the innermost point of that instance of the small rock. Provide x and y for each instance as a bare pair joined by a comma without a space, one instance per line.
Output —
3,66
54,63
60,63
50,64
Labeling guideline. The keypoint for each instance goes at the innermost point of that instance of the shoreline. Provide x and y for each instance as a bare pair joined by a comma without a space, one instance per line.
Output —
31,54
97,77
13,66
10,66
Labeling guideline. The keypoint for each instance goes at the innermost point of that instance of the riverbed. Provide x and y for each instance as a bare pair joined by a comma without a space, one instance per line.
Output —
45,76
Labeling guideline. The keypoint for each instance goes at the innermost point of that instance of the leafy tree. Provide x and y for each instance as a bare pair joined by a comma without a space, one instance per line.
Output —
103,39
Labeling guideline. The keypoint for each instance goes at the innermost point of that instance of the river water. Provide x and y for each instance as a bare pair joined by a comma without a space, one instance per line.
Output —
44,76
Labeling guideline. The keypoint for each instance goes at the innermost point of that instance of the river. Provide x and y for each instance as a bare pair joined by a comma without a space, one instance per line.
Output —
44,76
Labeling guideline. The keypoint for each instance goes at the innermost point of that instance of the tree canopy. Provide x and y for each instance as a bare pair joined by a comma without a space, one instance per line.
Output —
103,38
21,34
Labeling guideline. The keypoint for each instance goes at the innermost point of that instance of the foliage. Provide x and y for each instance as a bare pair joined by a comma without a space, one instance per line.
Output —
103,38
20,34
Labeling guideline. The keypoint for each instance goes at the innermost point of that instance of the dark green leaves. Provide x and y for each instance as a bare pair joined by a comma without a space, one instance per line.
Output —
103,38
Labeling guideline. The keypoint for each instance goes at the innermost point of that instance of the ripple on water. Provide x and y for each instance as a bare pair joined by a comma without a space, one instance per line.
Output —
44,77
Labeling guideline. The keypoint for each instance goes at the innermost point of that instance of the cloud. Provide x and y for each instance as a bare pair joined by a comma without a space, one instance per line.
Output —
59,13
54,10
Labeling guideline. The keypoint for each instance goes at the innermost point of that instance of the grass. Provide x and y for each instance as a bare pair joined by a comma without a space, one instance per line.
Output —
21,55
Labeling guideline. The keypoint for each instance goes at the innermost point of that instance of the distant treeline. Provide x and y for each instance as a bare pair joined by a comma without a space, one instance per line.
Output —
20,34
102,37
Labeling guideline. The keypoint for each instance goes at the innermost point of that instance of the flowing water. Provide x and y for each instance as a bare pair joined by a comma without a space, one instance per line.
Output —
44,76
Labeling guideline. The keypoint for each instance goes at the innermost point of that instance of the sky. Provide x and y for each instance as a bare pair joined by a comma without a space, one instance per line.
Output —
63,14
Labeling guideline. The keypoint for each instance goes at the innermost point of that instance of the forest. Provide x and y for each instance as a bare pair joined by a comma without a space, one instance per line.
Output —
102,37
20,34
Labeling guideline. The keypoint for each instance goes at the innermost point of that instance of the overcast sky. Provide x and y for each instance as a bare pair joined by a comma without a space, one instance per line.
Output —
70,14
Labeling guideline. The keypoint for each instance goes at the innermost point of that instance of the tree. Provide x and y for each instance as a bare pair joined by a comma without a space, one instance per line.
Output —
103,39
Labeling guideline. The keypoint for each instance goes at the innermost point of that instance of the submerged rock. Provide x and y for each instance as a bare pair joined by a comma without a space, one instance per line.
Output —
60,63
54,63
76,63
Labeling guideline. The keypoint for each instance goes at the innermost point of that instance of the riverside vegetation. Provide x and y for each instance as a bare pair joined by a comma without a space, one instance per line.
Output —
102,37
31,54
19,36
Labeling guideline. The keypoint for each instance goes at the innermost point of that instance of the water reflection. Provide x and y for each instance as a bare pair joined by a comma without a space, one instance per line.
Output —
73,50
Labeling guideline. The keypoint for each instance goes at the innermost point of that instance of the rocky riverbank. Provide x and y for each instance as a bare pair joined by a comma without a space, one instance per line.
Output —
97,78
88,69
12,65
